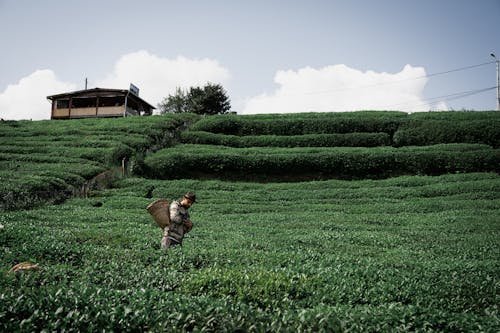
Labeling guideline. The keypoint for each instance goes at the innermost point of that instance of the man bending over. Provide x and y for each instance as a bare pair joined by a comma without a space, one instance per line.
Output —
180,224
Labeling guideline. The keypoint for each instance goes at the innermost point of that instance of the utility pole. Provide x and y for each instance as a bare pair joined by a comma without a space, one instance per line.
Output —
498,82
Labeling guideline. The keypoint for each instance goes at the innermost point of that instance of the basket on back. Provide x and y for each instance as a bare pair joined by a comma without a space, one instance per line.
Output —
160,211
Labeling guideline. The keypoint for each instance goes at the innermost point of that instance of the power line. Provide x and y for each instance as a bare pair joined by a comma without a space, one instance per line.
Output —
445,98
460,69
402,80
448,97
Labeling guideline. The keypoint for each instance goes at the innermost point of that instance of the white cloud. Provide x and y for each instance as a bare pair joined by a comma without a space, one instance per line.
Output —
340,88
158,77
27,99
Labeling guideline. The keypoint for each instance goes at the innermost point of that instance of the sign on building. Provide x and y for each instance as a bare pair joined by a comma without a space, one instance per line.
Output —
134,90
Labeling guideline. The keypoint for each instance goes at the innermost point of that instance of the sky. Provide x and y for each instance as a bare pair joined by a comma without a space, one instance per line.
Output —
270,56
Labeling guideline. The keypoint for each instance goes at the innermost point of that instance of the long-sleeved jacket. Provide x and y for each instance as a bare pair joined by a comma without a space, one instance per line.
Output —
178,217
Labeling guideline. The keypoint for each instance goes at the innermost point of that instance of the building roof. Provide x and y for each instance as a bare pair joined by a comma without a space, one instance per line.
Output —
105,92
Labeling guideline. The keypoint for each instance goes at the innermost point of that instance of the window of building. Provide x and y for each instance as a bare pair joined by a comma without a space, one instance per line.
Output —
62,104
85,102
111,101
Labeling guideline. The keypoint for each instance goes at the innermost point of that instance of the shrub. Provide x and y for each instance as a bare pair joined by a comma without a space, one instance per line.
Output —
298,124
120,152
227,124
307,140
319,163
428,132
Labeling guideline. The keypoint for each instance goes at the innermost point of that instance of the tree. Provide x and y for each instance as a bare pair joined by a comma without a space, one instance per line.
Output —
211,99
174,103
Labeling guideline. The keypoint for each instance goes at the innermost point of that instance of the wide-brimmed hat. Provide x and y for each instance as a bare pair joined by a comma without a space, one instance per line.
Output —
190,196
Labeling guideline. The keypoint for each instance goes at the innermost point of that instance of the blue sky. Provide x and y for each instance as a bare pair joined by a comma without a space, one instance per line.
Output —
271,56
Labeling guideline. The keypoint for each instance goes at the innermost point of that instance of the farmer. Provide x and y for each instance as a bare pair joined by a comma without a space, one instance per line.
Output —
180,223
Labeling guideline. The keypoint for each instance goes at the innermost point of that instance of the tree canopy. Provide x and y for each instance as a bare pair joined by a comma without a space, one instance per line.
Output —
210,99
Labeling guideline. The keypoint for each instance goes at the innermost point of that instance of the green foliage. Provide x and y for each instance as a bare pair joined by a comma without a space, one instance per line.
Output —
210,100
413,253
426,128
76,151
306,123
428,132
36,155
306,140
395,255
455,116
120,151
174,103
292,164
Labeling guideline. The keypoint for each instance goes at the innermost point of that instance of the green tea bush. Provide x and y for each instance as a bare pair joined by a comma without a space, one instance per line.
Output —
73,151
307,140
412,253
455,116
319,163
299,124
423,128
428,132
120,152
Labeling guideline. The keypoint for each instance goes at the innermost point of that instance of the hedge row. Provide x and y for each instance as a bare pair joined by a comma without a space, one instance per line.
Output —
455,116
318,163
424,128
346,122
307,140
429,132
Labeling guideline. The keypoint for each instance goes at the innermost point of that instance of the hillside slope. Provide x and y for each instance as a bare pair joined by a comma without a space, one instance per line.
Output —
50,160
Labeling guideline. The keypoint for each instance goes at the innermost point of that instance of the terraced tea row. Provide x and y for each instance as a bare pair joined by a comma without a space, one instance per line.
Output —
269,163
48,160
425,128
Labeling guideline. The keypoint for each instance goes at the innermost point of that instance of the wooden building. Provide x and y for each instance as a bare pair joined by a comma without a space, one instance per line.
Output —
99,102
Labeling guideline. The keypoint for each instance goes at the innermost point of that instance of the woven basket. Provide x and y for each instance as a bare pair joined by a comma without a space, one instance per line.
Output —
160,211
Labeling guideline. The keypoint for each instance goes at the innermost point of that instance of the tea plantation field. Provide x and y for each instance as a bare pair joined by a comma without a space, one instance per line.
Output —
412,253
336,222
